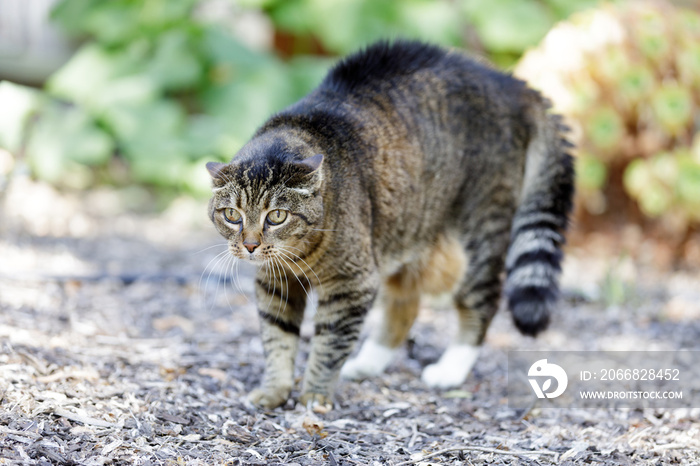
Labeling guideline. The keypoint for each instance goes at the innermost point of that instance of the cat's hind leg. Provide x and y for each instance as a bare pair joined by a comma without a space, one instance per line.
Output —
399,311
455,364
476,298
438,270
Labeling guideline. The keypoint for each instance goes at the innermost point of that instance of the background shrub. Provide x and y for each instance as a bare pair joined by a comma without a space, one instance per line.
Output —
627,76
160,86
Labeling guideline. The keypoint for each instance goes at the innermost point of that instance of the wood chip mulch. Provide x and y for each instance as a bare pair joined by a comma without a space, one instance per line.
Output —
117,348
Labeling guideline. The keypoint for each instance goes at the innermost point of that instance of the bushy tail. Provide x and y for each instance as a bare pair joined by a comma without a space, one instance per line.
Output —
533,263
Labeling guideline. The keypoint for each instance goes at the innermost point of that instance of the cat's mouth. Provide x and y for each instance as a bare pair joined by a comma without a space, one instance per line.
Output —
255,257
249,257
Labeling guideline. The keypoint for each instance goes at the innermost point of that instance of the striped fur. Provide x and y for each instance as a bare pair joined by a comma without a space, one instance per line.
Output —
409,170
533,263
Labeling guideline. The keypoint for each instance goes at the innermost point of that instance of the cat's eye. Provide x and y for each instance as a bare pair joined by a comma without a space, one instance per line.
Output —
232,215
276,217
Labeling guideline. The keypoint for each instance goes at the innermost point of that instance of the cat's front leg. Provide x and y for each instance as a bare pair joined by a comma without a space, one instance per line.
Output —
338,322
281,300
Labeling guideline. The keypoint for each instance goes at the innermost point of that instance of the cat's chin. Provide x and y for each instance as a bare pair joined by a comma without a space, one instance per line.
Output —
257,260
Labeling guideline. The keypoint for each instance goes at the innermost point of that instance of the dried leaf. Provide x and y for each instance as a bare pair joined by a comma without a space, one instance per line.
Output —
312,426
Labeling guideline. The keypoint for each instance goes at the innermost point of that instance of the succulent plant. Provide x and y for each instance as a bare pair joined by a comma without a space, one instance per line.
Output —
627,78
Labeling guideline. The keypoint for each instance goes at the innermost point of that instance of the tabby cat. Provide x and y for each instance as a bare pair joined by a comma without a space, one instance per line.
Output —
411,169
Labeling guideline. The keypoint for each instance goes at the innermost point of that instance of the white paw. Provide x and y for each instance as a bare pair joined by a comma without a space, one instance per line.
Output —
372,359
453,367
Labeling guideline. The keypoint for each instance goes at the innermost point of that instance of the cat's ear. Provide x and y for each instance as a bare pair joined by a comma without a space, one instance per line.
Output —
312,163
217,172
215,169
308,175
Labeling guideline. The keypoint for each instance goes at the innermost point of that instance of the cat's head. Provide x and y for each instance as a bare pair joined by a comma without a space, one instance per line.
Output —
267,202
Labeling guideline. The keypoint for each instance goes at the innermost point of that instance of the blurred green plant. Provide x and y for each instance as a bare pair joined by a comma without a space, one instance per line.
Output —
499,29
614,289
629,81
153,85
155,90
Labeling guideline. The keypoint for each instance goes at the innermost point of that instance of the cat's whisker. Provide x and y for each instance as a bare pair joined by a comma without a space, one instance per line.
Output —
232,261
285,261
273,281
284,249
208,266
223,275
210,247
226,259
222,256
286,284
275,269
276,282
216,259
290,262
236,278
266,281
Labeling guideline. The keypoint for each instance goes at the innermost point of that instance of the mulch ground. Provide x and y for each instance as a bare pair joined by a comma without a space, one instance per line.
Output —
124,339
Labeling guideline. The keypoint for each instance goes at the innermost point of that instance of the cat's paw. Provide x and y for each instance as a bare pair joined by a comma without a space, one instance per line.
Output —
440,377
317,402
372,360
452,369
269,398
355,369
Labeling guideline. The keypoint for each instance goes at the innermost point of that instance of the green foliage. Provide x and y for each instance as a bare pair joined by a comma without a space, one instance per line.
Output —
65,137
591,172
508,27
342,25
118,22
156,87
616,287
672,106
504,28
605,128
668,183
159,91
19,103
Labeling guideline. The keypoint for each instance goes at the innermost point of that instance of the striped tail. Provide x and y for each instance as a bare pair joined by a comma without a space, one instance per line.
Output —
533,263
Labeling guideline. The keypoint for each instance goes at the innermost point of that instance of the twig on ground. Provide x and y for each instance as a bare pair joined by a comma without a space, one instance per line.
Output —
481,449
414,437
87,420
23,433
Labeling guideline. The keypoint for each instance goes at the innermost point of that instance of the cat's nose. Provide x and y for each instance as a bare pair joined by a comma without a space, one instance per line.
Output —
251,245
